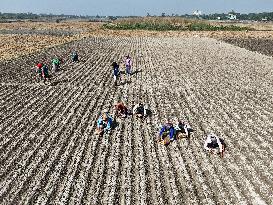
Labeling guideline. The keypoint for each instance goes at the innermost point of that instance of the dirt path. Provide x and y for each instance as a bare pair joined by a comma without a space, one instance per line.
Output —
50,154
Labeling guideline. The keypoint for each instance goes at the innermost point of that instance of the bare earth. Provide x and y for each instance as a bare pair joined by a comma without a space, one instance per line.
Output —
49,153
23,38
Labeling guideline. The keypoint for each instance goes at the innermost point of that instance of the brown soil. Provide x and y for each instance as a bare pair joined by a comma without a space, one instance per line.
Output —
14,46
49,153
23,38
263,46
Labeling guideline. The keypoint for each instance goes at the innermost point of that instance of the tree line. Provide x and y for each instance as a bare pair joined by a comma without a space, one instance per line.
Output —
21,16
250,17
223,16
268,16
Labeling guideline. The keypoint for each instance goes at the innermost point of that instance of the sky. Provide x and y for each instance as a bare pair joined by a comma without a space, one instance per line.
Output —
133,7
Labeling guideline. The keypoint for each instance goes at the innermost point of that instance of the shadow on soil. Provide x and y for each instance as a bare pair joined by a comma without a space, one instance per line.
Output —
55,83
133,73
136,72
125,82
115,125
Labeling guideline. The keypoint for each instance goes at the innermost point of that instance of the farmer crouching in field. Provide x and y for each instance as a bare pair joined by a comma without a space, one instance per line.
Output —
104,123
182,129
140,110
120,109
214,144
166,134
116,73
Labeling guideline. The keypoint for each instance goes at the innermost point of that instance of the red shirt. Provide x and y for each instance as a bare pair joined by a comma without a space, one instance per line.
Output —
120,106
39,65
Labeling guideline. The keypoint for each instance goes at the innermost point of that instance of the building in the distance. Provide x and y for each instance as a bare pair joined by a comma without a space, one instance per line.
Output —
197,13
232,16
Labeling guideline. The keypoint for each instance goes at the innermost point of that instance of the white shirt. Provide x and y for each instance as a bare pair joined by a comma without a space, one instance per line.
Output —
186,127
209,140
135,108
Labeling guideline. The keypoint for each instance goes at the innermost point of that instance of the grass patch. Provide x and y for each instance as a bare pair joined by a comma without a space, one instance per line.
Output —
169,24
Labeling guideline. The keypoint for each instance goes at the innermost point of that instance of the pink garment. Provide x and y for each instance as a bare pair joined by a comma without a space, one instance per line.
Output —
128,62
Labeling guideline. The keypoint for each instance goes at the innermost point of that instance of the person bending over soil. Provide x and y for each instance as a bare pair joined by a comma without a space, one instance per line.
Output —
120,109
183,129
140,110
214,144
166,134
104,123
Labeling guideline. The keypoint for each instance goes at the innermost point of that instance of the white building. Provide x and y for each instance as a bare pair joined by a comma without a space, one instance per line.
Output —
197,13
232,16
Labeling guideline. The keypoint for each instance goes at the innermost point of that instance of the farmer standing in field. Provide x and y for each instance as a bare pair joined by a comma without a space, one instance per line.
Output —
38,70
56,62
128,66
116,73
74,56
214,144
45,74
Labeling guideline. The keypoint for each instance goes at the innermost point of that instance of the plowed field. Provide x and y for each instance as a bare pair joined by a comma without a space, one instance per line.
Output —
49,153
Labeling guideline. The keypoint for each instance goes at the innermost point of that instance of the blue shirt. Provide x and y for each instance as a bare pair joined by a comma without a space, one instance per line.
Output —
166,128
116,71
45,69
107,125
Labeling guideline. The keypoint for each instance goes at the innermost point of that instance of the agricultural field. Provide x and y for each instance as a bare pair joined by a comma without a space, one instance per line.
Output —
24,38
16,45
49,153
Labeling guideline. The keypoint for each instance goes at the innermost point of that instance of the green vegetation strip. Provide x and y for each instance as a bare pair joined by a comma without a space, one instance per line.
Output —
172,27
